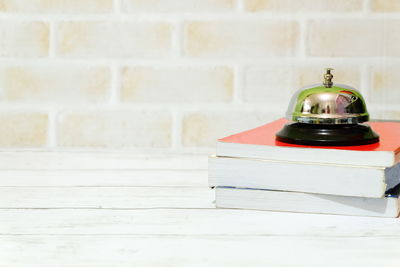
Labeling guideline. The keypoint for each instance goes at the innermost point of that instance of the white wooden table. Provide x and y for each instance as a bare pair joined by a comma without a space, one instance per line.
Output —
91,209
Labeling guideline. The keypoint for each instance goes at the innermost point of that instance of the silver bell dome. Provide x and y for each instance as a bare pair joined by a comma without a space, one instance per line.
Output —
327,103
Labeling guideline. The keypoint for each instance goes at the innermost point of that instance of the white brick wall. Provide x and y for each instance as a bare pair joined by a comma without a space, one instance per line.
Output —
185,84
173,75
296,6
56,6
353,38
240,38
114,129
202,129
55,84
102,39
174,6
23,38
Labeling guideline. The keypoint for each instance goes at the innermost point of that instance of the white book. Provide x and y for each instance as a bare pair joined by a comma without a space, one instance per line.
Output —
334,179
305,202
260,143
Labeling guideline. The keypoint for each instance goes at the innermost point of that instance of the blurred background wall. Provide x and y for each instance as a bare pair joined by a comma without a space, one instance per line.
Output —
174,75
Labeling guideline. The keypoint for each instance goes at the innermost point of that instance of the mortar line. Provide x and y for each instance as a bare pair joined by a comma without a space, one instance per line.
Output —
365,83
177,40
240,6
237,94
191,61
302,46
171,17
366,7
52,129
52,39
176,134
117,7
115,86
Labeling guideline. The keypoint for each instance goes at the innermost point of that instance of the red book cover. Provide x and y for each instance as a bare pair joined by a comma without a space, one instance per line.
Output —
389,133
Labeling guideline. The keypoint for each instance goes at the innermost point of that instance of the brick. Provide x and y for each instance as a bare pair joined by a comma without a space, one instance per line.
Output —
385,5
165,6
277,83
353,38
379,114
114,39
303,5
177,84
115,129
349,75
23,129
385,85
55,84
55,6
269,84
23,39
227,39
203,129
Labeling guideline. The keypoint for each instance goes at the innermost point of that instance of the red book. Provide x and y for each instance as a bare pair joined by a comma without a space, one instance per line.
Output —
260,143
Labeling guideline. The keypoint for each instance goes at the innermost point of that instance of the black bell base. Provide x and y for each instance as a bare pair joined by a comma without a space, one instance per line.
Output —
327,134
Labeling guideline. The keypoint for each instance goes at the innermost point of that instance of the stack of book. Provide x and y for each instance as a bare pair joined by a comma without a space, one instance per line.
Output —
252,170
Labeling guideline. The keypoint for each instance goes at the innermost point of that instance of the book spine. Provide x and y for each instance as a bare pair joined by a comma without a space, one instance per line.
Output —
274,175
305,202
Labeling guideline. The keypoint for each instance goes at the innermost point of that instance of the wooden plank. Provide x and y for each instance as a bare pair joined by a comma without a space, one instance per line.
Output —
233,251
103,178
190,222
39,160
106,197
